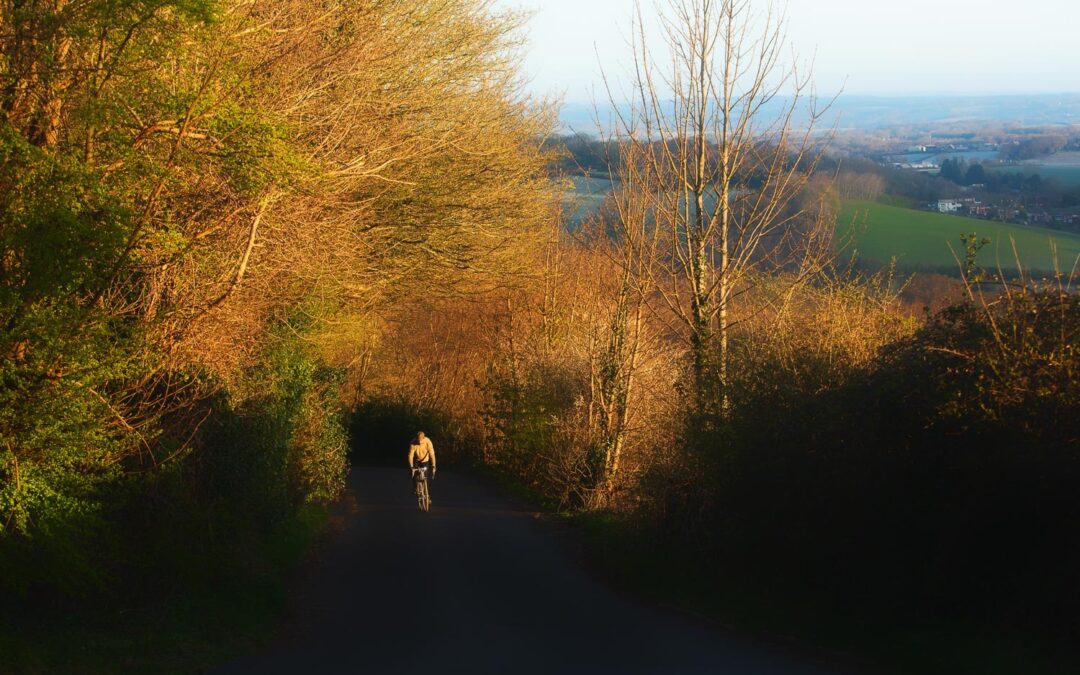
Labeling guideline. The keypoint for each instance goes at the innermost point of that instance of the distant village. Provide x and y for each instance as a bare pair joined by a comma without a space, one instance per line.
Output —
979,200
1010,211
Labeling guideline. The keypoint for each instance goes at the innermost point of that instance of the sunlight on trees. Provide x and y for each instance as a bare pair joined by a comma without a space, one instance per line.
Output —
193,189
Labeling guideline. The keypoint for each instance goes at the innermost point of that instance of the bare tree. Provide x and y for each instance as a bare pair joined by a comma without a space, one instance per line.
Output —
634,254
723,138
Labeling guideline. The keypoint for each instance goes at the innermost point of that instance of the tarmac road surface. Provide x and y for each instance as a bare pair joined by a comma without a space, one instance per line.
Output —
479,585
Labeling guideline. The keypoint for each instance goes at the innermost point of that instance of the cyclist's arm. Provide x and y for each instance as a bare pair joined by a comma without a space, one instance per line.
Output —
431,451
412,454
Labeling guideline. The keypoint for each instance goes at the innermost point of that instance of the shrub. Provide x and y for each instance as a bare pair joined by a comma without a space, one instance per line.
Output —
938,476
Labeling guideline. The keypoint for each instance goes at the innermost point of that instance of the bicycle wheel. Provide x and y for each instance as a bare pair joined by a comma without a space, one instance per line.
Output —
425,497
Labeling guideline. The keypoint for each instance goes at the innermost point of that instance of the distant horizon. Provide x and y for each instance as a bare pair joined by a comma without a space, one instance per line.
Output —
876,111
921,94
923,48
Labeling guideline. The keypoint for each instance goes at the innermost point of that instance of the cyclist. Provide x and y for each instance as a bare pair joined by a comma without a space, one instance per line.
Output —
421,455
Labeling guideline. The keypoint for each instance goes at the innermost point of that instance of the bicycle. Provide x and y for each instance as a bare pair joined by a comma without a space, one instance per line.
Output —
423,494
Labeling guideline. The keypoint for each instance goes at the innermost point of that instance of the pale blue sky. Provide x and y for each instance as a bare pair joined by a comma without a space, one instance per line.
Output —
876,46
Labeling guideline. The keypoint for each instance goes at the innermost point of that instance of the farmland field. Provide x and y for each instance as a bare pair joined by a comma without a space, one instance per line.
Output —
1069,174
921,239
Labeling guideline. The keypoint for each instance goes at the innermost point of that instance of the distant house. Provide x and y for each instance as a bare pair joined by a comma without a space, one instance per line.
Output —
949,205
926,167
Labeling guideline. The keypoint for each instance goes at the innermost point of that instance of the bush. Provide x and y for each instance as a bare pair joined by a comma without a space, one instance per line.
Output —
938,477
282,443
539,431
256,462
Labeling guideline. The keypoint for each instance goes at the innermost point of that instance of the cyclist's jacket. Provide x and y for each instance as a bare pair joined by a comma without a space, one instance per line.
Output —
422,453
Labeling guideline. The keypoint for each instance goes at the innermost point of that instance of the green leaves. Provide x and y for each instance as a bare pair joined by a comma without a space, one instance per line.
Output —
62,436
58,228
253,149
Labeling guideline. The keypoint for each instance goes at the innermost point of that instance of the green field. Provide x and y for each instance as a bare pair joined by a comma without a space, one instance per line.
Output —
1064,173
920,239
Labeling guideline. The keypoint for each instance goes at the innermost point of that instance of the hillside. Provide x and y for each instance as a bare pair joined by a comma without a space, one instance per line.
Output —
921,239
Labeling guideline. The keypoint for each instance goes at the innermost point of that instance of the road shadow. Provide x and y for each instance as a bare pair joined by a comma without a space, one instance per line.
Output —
477,585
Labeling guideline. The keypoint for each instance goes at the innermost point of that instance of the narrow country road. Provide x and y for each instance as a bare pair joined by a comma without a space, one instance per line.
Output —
477,586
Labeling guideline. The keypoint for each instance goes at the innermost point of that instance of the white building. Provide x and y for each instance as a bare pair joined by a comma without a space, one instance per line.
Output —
949,205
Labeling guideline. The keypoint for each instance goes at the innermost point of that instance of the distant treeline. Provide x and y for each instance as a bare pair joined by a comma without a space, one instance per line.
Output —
1011,180
582,153
956,174
1038,146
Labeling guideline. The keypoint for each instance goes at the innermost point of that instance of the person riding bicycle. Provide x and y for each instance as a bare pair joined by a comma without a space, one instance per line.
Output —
421,455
